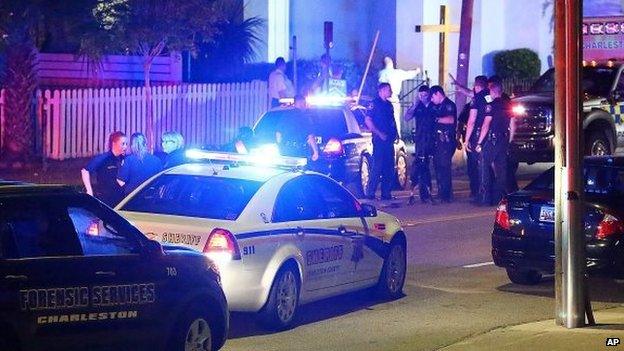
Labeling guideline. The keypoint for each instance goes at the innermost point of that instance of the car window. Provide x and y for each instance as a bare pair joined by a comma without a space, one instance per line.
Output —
604,180
296,202
194,196
36,228
544,182
98,237
336,201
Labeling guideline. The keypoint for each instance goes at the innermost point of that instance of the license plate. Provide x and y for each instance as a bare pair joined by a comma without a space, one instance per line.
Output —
547,214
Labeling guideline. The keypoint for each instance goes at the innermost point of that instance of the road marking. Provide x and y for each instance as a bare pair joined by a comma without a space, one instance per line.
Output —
446,219
478,264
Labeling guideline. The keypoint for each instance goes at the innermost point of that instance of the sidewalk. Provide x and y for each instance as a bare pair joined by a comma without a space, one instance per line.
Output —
545,335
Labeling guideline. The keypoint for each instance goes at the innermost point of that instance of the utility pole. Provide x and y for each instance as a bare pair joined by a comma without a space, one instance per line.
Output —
570,291
463,54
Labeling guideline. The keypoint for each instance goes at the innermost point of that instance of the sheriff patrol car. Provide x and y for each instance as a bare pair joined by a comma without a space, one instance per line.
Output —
74,275
281,237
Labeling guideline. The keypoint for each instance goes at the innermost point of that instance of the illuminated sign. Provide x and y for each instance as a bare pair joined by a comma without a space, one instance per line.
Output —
603,38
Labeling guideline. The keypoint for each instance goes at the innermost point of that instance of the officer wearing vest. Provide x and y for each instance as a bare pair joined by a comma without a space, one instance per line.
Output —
445,141
493,145
381,123
423,114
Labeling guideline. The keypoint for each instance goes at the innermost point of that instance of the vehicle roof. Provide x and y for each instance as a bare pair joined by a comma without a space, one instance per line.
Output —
20,188
225,170
617,161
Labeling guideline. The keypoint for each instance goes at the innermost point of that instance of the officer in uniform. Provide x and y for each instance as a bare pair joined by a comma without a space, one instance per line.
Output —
105,167
512,164
423,115
445,141
493,145
382,124
480,98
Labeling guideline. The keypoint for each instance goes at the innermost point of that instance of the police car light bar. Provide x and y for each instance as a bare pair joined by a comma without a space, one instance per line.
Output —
255,158
320,100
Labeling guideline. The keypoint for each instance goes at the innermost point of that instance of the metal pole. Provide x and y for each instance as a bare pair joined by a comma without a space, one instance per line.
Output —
569,235
294,51
370,59
463,54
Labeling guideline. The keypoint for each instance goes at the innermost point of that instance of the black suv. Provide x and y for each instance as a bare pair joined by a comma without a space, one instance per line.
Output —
345,146
76,275
523,240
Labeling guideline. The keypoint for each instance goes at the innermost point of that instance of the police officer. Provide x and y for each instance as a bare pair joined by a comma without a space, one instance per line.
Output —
105,167
512,164
445,141
382,124
493,145
423,114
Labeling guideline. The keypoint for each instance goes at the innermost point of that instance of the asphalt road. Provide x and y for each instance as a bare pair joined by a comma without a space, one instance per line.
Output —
452,291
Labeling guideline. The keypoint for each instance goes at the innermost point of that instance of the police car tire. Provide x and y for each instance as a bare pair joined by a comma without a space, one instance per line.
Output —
365,163
406,183
597,137
269,315
396,256
196,315
524,276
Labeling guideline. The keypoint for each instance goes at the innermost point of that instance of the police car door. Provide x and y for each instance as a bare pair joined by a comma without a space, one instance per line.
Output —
44,288
325,251
128,286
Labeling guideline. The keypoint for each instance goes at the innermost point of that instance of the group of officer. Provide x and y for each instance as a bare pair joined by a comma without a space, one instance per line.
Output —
486,133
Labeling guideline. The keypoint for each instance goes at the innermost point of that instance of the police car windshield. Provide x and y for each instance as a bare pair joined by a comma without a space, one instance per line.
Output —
598,180
325,122
596,81
194,196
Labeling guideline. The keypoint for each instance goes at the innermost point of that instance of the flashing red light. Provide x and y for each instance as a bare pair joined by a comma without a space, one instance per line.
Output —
222,241
333,146
518,110
502,216
609,226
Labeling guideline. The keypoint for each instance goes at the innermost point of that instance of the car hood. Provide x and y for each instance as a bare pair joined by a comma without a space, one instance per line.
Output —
538,98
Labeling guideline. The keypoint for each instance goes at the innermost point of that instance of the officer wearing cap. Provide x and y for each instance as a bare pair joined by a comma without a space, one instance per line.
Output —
382,124
493,145
423,114
445,141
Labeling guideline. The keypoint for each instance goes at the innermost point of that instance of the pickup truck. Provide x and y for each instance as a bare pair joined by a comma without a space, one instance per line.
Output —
602,117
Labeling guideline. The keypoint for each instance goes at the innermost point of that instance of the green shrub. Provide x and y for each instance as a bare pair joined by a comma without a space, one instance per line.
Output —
517,63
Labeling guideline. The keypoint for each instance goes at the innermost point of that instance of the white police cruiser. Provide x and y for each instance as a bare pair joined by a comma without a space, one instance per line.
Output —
280,236
74,275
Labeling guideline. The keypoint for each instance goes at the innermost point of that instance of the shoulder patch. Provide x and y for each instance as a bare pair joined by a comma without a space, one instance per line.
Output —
488,98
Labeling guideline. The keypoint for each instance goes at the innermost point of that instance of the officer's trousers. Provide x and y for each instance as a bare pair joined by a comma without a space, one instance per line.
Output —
494,158
421,174
383,167
472,168
442,160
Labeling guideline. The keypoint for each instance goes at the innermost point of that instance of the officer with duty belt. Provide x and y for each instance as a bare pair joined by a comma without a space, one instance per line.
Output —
493,145
423,114
382,125
445,141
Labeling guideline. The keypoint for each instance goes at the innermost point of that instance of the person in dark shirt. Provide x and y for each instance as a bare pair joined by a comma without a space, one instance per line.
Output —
139,166
173,146
382,124
445,141
493,145
105,167
295,136
423,114
512,163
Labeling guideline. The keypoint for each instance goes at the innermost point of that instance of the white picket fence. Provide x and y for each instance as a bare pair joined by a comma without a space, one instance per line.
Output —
2,94
76,123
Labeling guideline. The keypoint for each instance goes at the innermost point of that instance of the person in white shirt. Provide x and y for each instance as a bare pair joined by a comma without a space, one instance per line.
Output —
279,84
395,78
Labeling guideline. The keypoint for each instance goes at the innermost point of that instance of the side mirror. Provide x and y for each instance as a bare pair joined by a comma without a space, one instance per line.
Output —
614,97
368,210
152,248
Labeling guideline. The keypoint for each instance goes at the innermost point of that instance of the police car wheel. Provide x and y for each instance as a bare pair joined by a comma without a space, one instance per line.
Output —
597,144
193,331
279,311
392,276
365,170
524,276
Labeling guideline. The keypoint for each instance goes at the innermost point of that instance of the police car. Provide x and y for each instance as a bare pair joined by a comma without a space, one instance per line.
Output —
76,275
344,142
281,237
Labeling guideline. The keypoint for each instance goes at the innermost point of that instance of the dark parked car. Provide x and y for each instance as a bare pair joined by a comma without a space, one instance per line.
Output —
76,275
345,146
523,237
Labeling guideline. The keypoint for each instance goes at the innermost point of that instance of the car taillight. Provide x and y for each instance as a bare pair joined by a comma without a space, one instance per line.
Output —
609,226
334,147
518,110
502,216
221,244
